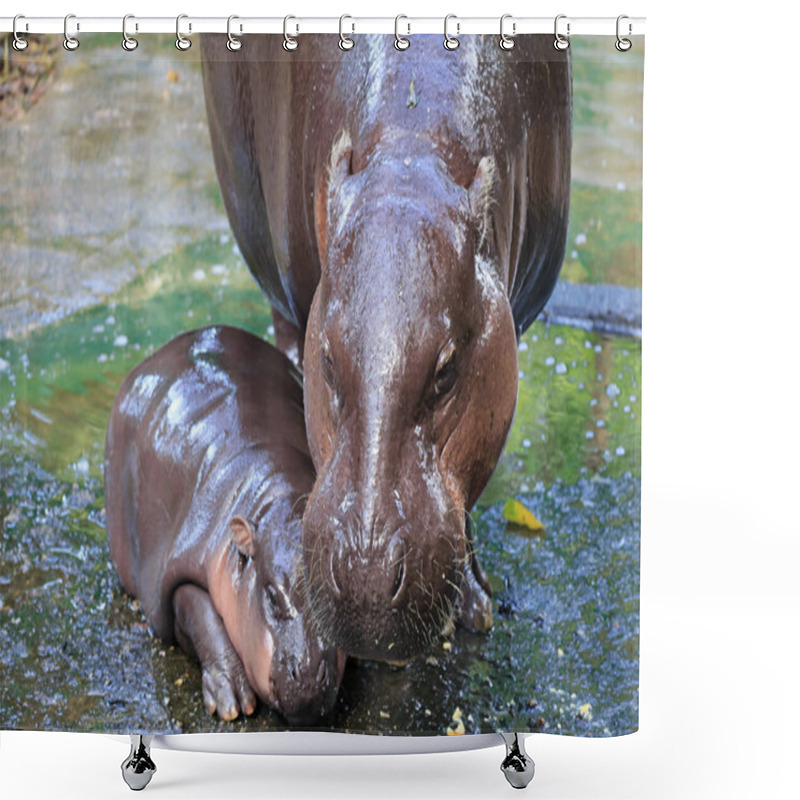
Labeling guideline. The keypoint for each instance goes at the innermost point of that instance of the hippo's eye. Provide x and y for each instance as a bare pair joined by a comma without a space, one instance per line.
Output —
446,371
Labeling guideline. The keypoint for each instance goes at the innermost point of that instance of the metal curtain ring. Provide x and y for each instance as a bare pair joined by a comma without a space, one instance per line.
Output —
623,45
450,42
289,42
507,42
561,42
18,43
128,42
400,42
234,43
345,42
70,42
181,42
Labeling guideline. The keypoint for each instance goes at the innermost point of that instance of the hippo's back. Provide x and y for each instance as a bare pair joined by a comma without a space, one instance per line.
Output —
274,117
192,427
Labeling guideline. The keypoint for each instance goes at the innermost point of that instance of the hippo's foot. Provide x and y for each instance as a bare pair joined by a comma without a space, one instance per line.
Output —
517,766
226,690
474,610
475,605
138,768
200,631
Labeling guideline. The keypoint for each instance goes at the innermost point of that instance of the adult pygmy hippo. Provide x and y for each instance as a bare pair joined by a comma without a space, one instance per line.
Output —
207,469
406,214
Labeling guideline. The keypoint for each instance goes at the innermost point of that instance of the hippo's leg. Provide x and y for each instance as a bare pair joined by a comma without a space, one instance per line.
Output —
475,607
201,632
289,339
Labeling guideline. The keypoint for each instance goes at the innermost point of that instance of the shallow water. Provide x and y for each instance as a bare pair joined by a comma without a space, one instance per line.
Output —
76,653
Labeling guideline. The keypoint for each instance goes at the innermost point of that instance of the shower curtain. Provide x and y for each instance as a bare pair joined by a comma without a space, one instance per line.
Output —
326,362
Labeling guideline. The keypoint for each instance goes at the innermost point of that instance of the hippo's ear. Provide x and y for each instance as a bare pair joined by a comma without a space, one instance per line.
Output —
328,183
481,197
242,536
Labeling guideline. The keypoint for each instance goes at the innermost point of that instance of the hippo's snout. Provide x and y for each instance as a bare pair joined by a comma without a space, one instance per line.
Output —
307,685
385,601
383,572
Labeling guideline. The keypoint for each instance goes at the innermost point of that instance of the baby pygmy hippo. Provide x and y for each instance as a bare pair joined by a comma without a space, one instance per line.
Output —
206,474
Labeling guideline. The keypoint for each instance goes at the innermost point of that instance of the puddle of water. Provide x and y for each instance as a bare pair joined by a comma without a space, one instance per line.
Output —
75,651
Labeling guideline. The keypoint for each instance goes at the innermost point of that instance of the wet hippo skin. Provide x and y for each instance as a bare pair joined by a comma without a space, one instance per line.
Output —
406,215
207,471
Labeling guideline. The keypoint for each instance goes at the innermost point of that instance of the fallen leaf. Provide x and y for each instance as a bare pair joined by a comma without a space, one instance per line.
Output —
517,514
457,729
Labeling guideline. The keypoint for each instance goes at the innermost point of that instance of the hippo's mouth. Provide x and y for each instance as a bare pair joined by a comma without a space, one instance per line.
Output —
401,638
305,696
363,625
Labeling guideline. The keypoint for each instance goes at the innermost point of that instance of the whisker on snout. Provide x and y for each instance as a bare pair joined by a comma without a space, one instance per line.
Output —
303,498
457,587
398,580
337,589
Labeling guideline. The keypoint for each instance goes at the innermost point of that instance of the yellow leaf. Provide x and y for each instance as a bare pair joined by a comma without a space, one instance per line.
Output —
457,729
516,513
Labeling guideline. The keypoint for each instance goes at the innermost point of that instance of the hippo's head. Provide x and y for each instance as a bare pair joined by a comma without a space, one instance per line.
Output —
410,389
289,667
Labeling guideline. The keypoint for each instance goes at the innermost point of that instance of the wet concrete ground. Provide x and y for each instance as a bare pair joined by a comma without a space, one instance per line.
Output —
108,172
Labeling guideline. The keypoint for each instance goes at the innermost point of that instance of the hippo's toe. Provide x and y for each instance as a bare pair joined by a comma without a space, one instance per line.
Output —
475,605
226,691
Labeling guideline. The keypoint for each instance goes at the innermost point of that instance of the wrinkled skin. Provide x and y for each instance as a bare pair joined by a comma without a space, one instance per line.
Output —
406,215
207,470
